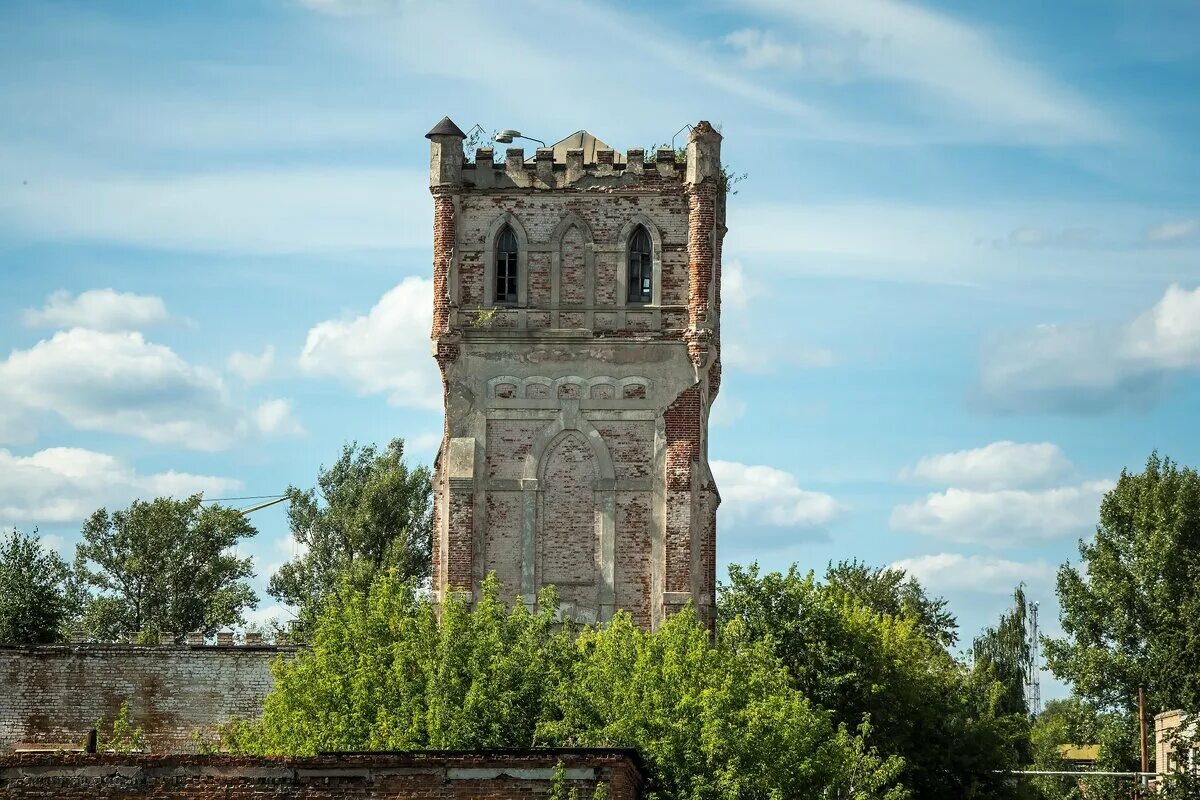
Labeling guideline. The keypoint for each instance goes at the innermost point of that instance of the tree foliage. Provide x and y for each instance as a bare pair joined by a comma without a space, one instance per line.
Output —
163,565
892,591
712,720
33,597
946,722
1131,612
1003,653
369,512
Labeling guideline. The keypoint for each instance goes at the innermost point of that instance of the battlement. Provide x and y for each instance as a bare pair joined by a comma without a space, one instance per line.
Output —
543,171
450,167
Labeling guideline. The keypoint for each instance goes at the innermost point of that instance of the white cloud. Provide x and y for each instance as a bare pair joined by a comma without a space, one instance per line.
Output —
998,465
1003,517
66,484
737,288
275,417
727,410
770,496
975,573
1093,367
385,350
1174,230
55,543
120,383
117,382
762,50
957,66
249,366
99,309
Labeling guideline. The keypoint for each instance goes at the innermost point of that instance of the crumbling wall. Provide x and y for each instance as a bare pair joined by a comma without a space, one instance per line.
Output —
432,775
54,694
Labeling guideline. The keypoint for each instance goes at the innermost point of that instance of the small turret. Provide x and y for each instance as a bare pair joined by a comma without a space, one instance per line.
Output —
703,154
445,154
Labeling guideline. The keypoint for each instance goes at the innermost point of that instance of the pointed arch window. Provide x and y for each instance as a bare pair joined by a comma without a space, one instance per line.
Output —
506,266
641,267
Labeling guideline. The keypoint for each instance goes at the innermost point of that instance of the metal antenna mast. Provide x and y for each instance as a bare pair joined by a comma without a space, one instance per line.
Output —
1033,673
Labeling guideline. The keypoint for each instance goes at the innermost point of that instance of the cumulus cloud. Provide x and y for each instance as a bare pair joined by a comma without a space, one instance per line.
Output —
251,367
120,383
771,496
975,573
1005,516
66,484
1174,231
275,417
1094,367
117,382
997,465
98,309
385,351
737,288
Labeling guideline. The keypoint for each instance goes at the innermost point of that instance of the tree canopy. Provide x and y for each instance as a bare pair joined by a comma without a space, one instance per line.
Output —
1130,612
892,591
712,720
163,565
945,721
33,598
369,512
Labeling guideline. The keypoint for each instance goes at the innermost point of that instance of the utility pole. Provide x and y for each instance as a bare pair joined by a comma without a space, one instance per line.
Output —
1142,728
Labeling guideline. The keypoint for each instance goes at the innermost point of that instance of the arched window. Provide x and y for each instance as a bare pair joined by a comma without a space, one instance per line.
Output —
506,266
641,267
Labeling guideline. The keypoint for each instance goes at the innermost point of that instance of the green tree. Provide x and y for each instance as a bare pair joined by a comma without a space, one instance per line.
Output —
892,591
1130,612
33,597
1003,653
163,565
947,722
712,720
369,512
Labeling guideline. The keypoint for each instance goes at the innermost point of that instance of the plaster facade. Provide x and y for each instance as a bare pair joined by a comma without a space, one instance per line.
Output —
576,418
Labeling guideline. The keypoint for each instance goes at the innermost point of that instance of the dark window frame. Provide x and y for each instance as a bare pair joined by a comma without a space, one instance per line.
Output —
506,283
639,286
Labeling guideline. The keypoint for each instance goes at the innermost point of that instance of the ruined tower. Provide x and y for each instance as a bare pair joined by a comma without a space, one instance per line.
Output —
576,323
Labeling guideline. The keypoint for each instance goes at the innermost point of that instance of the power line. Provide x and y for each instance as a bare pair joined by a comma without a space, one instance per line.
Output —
247,497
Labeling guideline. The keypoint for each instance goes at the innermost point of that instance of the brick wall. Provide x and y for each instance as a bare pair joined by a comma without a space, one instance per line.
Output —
54,694
567,546
618,512
511,775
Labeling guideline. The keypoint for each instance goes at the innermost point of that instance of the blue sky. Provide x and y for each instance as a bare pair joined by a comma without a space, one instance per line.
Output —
962,279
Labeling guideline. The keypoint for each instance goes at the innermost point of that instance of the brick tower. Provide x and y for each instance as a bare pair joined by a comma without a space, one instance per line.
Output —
576,324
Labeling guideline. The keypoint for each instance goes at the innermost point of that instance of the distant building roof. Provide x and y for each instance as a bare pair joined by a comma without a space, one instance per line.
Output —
1079,752
588,143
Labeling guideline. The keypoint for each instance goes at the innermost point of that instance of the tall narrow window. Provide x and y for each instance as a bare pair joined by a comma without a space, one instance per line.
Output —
506,267
641,267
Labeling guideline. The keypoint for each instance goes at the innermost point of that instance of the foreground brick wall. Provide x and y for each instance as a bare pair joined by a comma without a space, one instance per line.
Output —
54,694
512,775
